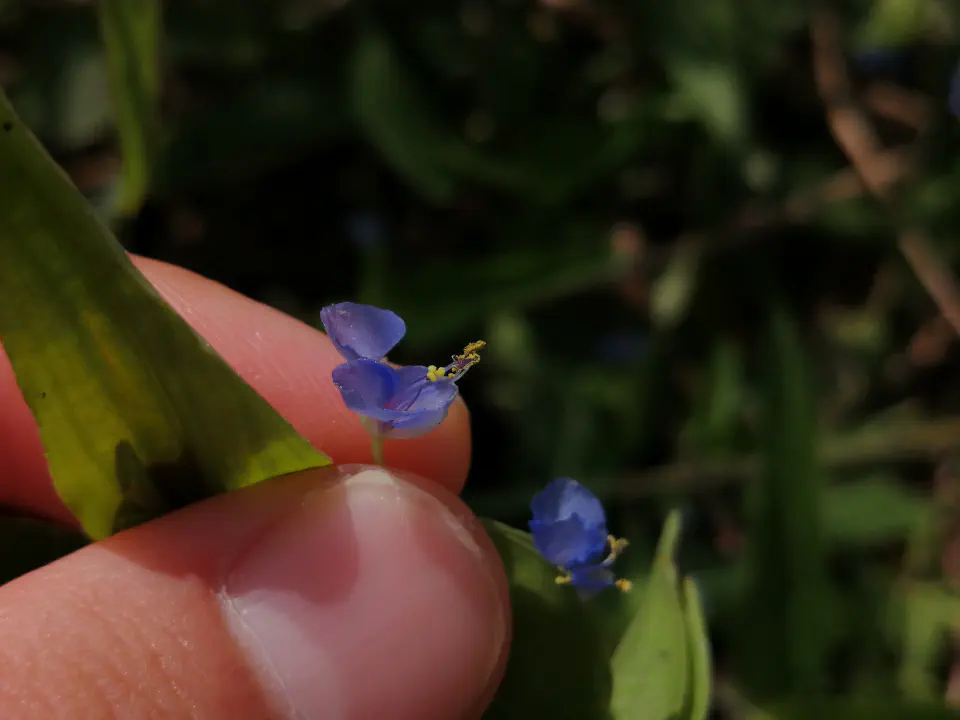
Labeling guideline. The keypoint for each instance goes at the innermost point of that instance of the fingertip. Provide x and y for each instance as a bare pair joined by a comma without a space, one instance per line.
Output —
291,598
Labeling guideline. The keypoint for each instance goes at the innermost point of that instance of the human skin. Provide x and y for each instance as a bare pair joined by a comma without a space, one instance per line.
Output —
346,592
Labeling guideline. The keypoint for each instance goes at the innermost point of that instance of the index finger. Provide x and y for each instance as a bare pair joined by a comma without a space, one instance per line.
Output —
287,362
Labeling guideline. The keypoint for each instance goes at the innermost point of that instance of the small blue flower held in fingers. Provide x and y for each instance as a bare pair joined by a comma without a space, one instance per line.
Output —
393,403
569,530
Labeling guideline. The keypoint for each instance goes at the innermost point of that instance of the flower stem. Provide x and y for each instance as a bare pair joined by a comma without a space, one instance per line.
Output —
376,446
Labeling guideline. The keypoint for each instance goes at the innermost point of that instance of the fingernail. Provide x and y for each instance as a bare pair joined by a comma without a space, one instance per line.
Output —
373,598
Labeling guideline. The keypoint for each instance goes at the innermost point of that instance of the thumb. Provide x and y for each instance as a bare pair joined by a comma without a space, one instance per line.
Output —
348,592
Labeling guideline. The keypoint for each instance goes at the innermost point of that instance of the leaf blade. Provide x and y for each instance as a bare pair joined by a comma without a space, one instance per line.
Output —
557,665
126,394
651,664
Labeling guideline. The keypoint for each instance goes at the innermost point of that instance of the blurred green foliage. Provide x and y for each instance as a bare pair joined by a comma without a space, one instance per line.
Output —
688,296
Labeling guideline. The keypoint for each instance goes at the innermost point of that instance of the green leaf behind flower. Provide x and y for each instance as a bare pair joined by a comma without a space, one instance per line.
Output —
137,414
558,666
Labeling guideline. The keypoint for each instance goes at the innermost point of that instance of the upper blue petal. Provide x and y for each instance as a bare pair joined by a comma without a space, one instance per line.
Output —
568,543
362,331
563,498
404,402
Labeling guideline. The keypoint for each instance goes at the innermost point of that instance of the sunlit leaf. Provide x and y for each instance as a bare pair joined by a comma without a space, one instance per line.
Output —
893,23
713,94
557,666
137,414
673,290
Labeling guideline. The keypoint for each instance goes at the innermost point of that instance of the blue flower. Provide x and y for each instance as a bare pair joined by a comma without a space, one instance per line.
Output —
362,331
882,60
569,530
395,403
954,96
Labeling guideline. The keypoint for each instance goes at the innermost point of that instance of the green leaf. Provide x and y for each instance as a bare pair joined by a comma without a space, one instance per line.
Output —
652,663
871,510
699,646
894,23
782,640
393,113
711,430
558,666
712,92
672,292
131,31
137,414
927,613
859,708
511,280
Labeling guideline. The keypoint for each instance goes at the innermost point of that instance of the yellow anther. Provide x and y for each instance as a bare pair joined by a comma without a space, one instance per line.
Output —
624,585
434,373
468,358
617,546
563,578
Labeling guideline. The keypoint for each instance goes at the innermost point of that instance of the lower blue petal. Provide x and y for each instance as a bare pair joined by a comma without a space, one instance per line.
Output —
568,543
402,401
591,579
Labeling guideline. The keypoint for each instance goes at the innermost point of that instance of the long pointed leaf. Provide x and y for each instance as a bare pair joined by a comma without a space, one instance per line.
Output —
652,662
137,414
782,640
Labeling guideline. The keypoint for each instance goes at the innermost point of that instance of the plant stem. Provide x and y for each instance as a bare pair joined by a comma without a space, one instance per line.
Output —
376,447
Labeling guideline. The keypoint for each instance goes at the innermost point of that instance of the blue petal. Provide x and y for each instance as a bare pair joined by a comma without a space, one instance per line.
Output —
568,543
954,99
591,579
563,498
365,385
881,60
403,401
362,331
420,406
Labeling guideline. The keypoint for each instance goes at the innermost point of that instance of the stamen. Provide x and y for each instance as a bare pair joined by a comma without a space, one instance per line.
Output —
617,546
564,578
461,363
624,585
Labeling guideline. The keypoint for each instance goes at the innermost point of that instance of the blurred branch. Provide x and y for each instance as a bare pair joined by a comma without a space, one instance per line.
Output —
898,104
919,440
895,442
888,168
855,135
